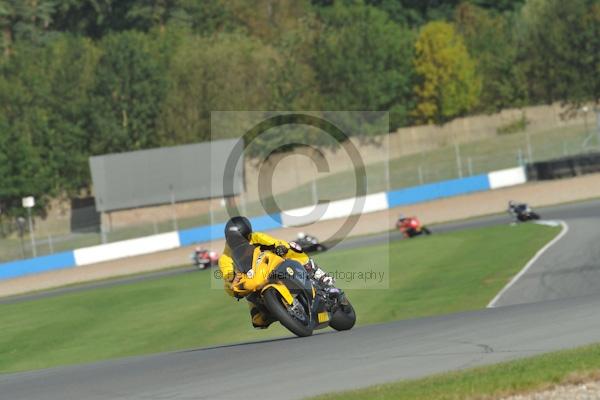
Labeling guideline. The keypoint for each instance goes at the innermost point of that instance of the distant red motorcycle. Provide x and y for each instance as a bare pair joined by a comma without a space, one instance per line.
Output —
204,259
411,227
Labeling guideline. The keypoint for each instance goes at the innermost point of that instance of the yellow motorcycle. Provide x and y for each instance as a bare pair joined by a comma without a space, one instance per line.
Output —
292,296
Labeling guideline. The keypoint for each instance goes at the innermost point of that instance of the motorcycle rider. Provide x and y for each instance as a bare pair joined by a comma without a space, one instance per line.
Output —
303,237
515,208
197,251
242,241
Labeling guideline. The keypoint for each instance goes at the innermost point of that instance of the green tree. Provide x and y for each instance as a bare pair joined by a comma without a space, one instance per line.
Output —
45,99
560,50
227,72
416,12
489,39
498,5
268,20
24,20
129,91
22,171
70,66
204,17
363,62
447,81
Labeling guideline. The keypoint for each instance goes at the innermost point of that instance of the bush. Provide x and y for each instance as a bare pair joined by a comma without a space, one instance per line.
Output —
518,125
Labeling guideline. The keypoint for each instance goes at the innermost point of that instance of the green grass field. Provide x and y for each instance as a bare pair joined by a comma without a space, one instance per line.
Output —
440,274
492,382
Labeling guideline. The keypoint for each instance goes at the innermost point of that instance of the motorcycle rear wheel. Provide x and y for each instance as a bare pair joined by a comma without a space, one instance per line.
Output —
276,307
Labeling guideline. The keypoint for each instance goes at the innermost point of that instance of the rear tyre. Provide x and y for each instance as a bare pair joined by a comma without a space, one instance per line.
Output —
343,319
275,305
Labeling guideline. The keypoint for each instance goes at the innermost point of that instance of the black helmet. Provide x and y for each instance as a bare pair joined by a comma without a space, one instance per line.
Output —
240,224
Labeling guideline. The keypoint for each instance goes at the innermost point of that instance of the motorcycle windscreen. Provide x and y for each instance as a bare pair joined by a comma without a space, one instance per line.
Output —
242,252
294,276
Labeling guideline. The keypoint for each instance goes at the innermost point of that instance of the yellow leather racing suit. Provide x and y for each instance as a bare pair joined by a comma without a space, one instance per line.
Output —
259,317
257,239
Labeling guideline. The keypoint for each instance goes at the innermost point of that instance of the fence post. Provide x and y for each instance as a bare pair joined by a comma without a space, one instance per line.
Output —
598,126
50,245
243,204
520,157
458,159
102,228
529,149
387,172
173,210
31,234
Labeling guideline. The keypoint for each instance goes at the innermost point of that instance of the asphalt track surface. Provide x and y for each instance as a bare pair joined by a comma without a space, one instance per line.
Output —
555,306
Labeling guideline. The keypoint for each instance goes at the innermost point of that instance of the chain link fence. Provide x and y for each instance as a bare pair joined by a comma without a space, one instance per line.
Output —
83,227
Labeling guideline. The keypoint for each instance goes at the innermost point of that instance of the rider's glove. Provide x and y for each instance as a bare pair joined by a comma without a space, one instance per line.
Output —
281,250
310,266
296,247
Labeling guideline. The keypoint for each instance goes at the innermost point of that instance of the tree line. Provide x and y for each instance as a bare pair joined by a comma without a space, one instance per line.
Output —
87,77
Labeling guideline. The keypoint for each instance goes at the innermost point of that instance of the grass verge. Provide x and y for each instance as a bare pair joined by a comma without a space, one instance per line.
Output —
491,382
436,275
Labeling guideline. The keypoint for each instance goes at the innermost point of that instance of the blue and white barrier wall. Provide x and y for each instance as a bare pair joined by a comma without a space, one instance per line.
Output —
299,216
126,248
507,177
212,232
334,209
14,269
406,196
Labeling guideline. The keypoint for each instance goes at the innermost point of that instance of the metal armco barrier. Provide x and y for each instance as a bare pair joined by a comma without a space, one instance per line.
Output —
565,167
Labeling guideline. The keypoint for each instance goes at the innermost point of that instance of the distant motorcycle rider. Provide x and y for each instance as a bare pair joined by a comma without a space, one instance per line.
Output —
303,237
515,208
240,243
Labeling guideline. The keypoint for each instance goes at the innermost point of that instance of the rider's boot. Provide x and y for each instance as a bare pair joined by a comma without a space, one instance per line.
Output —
260,317
319,274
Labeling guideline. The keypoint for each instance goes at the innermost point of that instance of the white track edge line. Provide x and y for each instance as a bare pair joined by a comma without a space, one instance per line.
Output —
565,230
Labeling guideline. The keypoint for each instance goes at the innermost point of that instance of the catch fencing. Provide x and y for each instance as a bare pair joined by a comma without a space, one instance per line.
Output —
302,186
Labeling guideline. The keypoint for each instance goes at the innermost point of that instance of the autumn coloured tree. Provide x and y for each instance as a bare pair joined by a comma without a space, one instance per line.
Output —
447,81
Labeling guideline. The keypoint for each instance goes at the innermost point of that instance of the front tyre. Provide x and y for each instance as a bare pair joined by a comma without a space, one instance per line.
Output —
344,318
203,266
282,312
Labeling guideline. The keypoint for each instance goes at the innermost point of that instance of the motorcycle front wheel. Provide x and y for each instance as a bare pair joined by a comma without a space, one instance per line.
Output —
343,319
284,313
